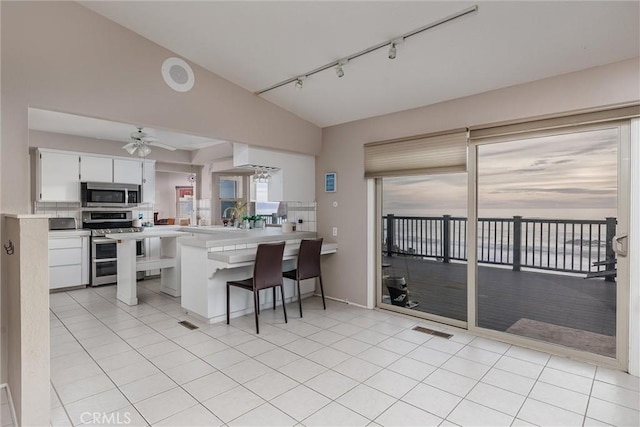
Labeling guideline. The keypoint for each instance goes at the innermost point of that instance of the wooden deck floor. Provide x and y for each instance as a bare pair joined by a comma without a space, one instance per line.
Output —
506,296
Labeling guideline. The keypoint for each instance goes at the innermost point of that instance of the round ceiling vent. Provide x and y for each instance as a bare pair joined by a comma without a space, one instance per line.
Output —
178,74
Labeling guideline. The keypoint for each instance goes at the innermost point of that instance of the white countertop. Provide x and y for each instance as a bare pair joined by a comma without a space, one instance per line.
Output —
150,232
215,236
58,234
249,255
165,227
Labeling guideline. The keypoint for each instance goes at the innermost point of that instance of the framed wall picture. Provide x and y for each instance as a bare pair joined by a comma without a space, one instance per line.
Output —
330,182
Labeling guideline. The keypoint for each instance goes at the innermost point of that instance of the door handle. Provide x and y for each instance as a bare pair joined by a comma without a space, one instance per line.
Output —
620,243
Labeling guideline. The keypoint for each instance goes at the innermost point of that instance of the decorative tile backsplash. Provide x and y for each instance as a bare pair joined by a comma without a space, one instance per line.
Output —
74,210
302,211
59,209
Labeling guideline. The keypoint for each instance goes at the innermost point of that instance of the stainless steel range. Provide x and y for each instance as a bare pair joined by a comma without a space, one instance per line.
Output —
104,263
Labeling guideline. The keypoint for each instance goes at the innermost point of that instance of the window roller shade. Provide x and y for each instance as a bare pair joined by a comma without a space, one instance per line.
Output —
422,155
558,122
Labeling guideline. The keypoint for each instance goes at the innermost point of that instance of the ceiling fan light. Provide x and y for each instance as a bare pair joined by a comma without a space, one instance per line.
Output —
130,148
144,151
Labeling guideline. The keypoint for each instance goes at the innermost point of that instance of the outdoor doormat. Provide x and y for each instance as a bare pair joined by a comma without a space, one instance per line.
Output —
188,325
432,332
563,335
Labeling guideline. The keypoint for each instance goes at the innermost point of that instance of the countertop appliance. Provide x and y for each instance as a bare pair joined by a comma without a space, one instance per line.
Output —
105,194
62,223
104,262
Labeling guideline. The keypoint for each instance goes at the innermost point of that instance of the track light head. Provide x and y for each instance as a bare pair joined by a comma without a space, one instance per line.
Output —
299,84
392,51
339,70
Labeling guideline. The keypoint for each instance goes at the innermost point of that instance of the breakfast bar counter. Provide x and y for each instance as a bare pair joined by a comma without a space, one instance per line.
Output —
209,260
218,236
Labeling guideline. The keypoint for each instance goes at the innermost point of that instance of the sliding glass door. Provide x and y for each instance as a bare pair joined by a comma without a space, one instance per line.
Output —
527,246
548,209
423,239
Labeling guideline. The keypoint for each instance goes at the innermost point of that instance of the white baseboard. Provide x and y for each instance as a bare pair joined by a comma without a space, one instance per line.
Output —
343,301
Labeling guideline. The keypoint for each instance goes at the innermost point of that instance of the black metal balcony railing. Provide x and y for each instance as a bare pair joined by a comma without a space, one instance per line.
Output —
573,246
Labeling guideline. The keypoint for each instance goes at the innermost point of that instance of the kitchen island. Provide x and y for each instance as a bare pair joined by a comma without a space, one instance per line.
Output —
128,264
212,257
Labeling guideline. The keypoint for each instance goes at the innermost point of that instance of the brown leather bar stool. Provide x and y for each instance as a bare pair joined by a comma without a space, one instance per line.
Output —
308,266
267,273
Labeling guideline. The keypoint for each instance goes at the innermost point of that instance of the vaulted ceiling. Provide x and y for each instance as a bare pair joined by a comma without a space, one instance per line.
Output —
258,44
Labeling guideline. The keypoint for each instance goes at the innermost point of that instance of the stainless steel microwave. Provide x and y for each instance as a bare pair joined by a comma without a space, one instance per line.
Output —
106,194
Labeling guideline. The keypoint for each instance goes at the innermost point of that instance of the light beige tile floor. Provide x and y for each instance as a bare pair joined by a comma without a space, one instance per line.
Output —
343,366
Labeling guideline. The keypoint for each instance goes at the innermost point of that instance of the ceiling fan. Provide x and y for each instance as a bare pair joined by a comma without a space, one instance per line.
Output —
141,142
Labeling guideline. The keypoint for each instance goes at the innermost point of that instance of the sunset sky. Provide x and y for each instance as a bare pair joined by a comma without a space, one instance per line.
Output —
576,171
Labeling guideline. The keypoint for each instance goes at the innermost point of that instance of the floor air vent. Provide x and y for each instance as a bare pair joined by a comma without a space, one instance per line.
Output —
432,332
188,325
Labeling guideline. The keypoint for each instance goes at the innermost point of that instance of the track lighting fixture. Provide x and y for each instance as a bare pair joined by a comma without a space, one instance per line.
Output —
393,44
392,51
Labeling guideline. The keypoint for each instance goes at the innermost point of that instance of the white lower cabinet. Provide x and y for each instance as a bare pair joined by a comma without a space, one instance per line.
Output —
64,276
68,261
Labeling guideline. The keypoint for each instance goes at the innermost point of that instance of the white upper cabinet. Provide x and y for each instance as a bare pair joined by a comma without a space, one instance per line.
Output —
149,181
59,173
127,171
57,177
96,169
109,169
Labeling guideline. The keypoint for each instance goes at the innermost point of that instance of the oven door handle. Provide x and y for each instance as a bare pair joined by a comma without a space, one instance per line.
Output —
99,221
102,240
99,260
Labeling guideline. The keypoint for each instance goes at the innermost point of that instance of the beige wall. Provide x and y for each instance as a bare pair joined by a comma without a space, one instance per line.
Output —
166,183
63,57
342,151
